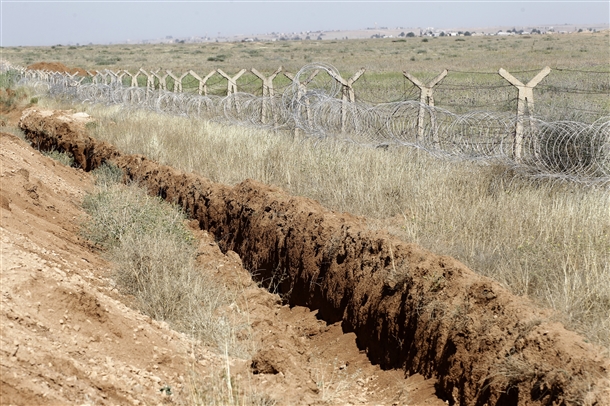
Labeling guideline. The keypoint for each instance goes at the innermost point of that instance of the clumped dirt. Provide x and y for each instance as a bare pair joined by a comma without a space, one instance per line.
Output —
67,336
57,67
406,307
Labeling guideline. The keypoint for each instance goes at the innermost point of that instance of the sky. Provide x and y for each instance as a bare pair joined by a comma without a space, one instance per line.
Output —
43,22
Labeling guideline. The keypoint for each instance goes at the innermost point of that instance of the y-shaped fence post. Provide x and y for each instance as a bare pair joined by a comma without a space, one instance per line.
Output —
426,98
150,80
301,90
232,81
232,85
347,91
203,83
526,98
134,78
267,90
177,81
115,77
93,77
162,80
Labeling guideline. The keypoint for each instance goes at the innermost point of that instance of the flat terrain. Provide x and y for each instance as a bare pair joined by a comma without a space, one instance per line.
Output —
68,334
576,89
415,54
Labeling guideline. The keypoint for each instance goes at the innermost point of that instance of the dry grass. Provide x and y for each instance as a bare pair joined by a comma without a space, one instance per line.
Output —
384,60
154,257
475,53
545,240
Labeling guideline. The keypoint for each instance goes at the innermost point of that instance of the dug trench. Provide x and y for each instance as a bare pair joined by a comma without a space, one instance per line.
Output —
409,308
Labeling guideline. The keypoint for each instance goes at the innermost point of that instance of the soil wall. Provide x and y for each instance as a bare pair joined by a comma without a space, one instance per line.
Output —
409,308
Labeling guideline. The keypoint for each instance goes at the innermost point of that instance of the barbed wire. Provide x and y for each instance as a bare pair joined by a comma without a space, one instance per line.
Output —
564,150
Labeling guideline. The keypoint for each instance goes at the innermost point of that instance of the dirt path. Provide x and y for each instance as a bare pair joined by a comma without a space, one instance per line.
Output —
67,336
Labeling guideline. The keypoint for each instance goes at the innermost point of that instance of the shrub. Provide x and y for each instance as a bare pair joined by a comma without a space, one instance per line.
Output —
64,158
217,58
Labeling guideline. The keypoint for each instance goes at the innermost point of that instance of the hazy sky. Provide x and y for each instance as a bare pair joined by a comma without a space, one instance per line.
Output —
62,22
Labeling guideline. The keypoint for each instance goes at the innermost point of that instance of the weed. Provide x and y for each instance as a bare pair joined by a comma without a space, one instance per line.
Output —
217,58
65,158
108,174
398,274
154,258
333,380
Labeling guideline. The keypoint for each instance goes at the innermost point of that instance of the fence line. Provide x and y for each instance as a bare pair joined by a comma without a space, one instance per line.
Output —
568,150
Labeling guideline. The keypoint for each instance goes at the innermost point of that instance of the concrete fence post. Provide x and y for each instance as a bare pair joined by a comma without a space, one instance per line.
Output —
301,91
93,77
162,79
347,91
426,98
150,80
134,78
231,80
267,91
525,101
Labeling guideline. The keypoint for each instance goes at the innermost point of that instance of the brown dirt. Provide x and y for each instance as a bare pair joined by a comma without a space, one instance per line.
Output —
67,336
11,106
407,308
57,67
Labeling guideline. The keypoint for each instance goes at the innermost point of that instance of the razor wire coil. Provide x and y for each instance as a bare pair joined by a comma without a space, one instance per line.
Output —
566,150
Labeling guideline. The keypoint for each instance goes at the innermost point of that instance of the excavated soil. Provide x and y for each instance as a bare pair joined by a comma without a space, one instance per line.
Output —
57,67
407,308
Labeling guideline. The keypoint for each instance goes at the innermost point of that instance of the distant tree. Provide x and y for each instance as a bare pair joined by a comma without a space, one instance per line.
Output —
467,34
410,34
460,32
402,34
442,34
580,30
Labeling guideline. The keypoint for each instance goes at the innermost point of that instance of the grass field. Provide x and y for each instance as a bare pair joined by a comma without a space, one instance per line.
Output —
576,89
548,241
416,54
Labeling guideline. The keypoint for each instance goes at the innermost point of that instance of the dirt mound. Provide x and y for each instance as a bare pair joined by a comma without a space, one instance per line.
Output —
65,339
57,67
408,308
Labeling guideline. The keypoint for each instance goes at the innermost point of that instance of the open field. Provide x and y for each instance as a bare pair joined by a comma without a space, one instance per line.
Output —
472,62
548,241
417,55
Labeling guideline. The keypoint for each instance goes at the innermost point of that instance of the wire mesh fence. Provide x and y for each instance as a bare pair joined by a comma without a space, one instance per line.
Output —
461,125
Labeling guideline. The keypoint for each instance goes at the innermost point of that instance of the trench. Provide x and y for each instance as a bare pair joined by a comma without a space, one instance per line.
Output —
409,308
